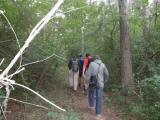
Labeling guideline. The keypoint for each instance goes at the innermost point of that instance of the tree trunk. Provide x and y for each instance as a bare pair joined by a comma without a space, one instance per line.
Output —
82,41
41,78
146,23
156,11
125,47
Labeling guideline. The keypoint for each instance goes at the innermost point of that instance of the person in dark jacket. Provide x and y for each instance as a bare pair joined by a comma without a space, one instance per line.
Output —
81,61
70,72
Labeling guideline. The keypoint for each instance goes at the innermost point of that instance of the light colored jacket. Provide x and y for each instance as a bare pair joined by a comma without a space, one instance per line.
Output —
97,67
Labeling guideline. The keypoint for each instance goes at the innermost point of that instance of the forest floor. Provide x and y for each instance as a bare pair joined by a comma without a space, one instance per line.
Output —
76,104
80,105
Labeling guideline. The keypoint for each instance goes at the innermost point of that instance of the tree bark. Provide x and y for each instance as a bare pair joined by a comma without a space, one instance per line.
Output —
146,23
125,46
41,79
82,41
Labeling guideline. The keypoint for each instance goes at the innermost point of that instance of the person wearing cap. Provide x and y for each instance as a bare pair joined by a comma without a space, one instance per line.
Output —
97,68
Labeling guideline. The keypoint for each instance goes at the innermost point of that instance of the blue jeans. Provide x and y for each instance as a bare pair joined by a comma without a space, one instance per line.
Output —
99,99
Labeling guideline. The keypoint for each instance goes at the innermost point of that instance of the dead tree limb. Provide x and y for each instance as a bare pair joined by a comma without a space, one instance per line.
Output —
7,83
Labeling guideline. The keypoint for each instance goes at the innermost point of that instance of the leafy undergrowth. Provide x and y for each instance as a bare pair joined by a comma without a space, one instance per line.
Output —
143,104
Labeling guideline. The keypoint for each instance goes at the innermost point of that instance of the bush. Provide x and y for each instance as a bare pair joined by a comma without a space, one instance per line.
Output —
148,106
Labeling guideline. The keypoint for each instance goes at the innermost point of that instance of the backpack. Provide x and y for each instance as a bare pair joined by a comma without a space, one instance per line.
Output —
75,66
70,65
94,80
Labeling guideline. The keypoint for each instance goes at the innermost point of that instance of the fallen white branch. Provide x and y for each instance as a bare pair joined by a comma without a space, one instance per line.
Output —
4,81
18,71
32,35
40,96
8,80
40,106
3,113
5,102
13,32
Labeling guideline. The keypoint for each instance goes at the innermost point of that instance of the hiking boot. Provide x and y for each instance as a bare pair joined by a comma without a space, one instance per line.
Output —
92,108
99,117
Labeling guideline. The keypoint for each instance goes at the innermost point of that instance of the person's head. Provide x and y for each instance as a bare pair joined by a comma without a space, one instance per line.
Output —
88,54
74,57
80,55
97,57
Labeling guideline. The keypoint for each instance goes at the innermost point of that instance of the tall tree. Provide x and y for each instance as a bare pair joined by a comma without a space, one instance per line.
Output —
146,10
125,46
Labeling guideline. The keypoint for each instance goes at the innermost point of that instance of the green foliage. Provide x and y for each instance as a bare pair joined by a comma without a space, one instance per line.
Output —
72,116
52,115
2,93
101,36
147,106
108,102
151,90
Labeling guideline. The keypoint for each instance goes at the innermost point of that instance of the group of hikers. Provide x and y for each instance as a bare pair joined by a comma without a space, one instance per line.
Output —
89,73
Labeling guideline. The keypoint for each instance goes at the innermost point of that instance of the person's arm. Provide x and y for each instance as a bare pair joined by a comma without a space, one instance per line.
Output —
89,72
84,66
106,74
70,64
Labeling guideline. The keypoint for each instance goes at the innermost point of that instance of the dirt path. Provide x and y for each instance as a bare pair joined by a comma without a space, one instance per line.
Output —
80,105
73,102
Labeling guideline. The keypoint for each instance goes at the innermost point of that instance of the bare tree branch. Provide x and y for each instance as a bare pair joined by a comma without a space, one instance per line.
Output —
32,35
40,96
3,112
42,60
24,102
18,71
4,81
14,33
1,61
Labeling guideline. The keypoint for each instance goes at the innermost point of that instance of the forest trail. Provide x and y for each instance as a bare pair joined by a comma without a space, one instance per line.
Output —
80,105
73,102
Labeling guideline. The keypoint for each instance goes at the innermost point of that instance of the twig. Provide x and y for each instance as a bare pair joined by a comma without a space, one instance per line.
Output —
2,61
32,35
14,33
75,9
40,96
5,41
38,61
3,113
18,71
24,102
8,82
6,100
72,10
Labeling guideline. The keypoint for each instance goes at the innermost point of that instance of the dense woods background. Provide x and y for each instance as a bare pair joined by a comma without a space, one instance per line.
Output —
125,35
